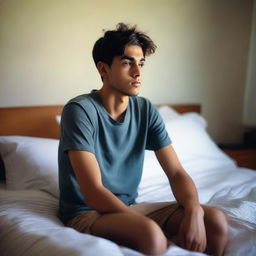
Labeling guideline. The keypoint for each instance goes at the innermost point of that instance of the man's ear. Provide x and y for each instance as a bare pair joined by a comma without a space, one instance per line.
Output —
102,68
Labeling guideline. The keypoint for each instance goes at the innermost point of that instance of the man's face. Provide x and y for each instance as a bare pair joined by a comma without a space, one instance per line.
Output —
124,75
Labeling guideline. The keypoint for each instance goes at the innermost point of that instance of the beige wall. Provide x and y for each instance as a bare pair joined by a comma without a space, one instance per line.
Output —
45,52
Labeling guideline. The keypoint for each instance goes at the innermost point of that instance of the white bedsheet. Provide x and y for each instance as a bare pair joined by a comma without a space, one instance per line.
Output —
29,226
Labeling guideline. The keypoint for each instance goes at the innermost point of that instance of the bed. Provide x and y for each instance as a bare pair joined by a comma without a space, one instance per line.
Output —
29,184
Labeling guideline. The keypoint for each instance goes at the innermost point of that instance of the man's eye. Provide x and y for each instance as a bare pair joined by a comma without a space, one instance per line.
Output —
127,63
142,64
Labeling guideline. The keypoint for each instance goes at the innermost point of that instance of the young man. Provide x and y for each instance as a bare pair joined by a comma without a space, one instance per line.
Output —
103,138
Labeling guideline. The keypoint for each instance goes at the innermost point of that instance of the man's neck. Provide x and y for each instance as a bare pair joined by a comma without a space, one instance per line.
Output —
115,104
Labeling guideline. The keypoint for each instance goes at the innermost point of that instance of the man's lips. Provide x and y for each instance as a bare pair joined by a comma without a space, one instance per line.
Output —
136,83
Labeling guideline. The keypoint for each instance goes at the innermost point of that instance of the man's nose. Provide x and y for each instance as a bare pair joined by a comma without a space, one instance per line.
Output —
136,71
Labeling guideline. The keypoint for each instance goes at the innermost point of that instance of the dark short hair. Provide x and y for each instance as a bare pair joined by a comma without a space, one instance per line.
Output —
113,43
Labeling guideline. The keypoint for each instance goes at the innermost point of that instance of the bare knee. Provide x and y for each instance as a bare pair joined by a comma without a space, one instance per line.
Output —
218,222
217,231
150,238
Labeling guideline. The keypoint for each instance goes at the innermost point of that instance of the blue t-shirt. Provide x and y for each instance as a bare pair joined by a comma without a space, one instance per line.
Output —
118,147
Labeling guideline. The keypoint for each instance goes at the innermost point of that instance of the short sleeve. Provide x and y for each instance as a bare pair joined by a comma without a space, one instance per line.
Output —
77,129
157,134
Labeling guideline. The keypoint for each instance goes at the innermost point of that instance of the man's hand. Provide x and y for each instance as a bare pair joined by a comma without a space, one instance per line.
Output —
192,234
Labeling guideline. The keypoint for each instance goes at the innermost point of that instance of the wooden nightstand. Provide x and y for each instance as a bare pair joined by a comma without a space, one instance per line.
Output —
244,157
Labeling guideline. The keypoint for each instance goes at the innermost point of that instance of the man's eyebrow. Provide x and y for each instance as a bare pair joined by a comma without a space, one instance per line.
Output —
132,58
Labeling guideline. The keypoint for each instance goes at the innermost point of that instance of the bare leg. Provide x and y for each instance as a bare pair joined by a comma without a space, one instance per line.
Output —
216,229
131,230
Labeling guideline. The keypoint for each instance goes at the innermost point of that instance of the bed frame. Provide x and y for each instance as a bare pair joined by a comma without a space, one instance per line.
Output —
40,121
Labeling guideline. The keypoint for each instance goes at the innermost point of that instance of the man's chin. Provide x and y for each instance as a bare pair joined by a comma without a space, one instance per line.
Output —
130,93
134,93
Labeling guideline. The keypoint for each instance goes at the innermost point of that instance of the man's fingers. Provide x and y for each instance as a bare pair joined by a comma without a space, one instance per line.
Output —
198,246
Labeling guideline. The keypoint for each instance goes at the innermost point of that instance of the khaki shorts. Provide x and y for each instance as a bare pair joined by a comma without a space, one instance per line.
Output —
159,212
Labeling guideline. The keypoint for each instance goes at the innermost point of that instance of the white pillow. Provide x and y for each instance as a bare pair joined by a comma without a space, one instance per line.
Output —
168,113
192,142
189,136
30,163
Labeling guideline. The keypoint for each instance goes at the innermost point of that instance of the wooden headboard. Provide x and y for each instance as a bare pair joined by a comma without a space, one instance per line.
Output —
40,121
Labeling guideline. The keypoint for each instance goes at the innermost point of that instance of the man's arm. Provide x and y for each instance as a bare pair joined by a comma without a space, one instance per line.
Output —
88,175
192,230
